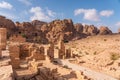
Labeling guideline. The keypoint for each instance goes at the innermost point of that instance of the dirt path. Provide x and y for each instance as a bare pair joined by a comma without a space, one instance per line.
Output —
90,73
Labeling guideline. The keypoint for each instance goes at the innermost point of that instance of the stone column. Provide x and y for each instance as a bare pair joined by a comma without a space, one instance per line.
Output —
0,53
61,50
3,37
14,55
68,53
50,51
42,50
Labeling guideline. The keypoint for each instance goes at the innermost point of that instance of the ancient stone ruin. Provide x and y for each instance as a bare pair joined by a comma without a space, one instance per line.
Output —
0,53
50,51
61,50
17,38
14,55
28,61
3,37
37,54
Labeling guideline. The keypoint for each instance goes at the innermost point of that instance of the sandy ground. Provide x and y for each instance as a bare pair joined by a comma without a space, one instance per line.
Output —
95,53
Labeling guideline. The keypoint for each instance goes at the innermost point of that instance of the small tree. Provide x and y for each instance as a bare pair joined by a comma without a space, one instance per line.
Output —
23,35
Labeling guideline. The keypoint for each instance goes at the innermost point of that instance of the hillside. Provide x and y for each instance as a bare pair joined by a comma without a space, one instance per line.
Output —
43,32
100,53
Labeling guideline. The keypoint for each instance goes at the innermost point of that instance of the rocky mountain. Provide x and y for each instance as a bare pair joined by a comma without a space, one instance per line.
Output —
9,24
42,32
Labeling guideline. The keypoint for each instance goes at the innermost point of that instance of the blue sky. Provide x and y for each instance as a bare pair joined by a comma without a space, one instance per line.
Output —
96,12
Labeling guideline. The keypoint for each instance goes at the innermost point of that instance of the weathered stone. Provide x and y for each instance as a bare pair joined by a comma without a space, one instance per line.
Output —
36,55
3,38
68,53
50,51
14,51
78,27
57,28
17,38
15,62
33,65
42,50
104,30
61,52
6,73
24,51
8,24
90,30
0,53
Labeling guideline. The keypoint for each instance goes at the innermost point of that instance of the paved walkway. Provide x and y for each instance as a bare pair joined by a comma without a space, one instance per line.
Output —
90,73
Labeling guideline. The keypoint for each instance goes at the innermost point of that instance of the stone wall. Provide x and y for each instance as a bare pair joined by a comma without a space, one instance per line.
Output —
14,55
3,36
50,51
17,38
61,51
37,53
0,53
68,53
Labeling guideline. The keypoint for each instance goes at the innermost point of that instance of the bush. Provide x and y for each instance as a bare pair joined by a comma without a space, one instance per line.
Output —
105,39
65,66
95,53
114,56
23,35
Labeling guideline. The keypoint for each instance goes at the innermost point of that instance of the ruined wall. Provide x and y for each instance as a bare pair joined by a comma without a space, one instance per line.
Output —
14,55
3,34
17,38
50,51
37,54
61,52
0,53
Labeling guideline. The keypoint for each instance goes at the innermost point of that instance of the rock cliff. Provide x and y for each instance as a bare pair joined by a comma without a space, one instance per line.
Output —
42,32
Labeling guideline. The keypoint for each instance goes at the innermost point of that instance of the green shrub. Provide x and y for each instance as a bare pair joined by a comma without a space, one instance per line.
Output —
23,35
95,53
65,66
105,39
115,56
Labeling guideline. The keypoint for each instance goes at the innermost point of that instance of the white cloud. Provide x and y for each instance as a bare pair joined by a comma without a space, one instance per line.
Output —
51,13
106,13
5,5
89,14
26,2
40,14
118,24
8,15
